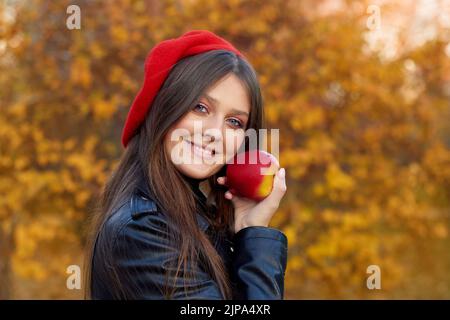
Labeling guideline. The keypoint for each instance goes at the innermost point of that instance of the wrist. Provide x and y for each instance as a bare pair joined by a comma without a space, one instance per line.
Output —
244,225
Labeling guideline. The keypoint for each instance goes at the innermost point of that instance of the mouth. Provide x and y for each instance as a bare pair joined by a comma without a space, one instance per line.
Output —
202,151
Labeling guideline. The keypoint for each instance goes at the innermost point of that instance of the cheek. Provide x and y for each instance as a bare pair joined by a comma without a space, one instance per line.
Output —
170,140
186,122
168,143
183,127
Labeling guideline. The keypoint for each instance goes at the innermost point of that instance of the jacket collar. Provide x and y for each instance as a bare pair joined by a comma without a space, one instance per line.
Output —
142,201
142,188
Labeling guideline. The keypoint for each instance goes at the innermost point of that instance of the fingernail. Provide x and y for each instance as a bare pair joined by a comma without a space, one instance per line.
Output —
282,173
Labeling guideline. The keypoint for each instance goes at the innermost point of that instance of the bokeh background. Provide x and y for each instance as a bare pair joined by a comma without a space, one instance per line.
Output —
360,91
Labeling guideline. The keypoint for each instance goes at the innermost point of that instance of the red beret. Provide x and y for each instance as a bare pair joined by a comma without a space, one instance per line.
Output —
158,63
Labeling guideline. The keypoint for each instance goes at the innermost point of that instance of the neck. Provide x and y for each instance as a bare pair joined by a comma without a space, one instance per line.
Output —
192,181
195,186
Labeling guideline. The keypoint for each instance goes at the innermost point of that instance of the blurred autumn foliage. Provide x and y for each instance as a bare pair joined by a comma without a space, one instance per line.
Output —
365,138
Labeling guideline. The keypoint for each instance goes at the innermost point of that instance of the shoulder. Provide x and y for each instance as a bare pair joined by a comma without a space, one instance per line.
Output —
140,219
137,218
131,250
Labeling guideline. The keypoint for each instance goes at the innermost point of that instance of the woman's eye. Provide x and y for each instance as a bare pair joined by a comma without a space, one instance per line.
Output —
201,108
236,123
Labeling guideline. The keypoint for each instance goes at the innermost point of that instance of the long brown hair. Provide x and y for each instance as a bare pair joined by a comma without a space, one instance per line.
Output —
145,156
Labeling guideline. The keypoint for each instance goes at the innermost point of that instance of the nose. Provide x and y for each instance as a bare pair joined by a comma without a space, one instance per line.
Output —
214,129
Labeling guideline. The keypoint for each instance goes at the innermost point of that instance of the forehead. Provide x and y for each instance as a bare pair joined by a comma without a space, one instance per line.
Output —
229,92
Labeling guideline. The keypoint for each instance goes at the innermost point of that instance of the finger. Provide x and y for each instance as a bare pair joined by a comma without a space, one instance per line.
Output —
239,202
231,195
276,162
279,187
273,168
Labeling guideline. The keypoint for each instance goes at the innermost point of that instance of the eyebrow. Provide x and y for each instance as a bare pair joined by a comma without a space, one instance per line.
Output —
214,101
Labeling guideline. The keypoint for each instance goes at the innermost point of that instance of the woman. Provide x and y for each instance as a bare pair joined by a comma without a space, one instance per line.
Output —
167,229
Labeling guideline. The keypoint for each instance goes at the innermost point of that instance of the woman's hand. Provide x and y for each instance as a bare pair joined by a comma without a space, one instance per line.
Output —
248,213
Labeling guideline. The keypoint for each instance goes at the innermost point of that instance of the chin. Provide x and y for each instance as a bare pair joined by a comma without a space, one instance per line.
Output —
198,171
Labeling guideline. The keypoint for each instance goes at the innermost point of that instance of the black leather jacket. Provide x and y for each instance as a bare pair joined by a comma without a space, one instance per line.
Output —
256,257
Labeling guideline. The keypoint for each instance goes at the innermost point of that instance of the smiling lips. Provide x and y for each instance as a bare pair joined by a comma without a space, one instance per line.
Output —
201,151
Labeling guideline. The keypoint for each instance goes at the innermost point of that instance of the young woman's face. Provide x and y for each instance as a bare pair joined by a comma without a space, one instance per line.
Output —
209,135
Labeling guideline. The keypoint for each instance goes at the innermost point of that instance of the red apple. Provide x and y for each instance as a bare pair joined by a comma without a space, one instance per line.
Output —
250,174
